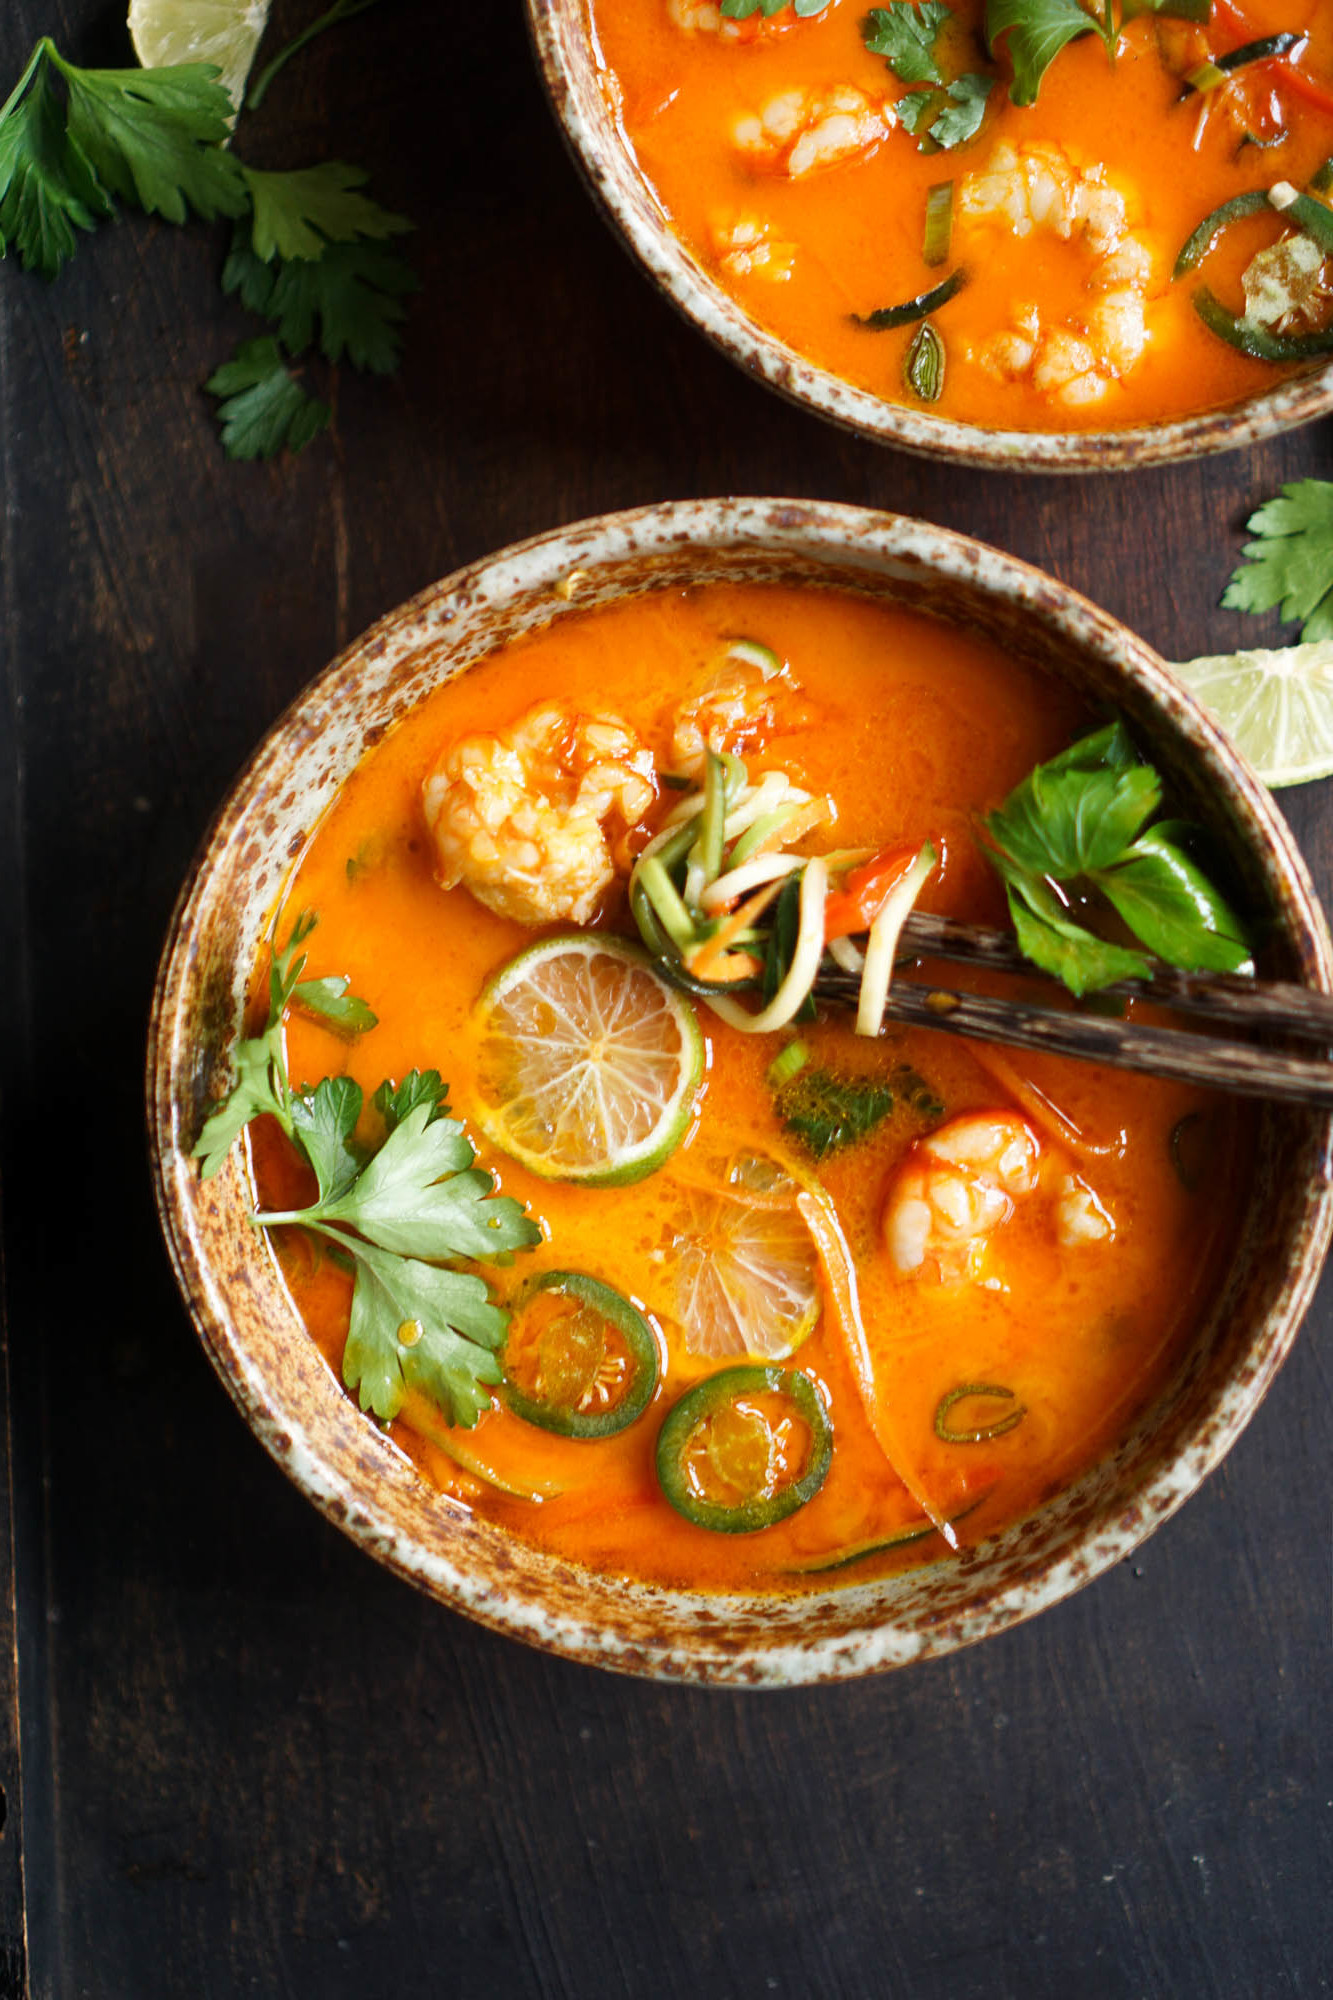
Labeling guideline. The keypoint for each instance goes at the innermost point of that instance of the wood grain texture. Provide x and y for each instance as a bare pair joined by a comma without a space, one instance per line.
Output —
254,1763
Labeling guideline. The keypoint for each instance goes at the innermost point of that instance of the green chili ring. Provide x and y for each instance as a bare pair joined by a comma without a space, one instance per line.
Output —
633,1329
699,1403
1201,240
912,309
1264,50
861,1552
1256,341
1313,218
981,1433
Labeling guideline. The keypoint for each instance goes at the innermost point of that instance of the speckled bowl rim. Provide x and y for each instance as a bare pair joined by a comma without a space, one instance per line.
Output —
677,1635
560,36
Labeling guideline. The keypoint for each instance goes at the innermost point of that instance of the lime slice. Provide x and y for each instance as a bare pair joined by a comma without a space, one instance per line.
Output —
746,1271
589,1064
1276,706
225,32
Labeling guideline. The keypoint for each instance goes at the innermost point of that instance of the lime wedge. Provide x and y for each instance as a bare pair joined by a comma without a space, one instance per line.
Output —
746,1272
225,32
588,1063
1276,706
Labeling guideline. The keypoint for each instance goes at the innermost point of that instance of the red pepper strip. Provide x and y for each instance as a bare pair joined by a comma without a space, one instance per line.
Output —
865,891
1300,80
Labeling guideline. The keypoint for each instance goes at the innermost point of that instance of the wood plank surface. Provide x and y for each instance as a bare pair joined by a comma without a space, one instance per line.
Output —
254,1763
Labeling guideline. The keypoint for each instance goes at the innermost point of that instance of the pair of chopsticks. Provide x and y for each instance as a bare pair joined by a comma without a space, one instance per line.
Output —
1228,999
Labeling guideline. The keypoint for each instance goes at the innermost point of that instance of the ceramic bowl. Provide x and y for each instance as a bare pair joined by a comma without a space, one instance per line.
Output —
274,1371
567,57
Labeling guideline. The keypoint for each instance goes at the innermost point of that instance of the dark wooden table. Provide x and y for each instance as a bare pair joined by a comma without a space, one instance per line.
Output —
252,1762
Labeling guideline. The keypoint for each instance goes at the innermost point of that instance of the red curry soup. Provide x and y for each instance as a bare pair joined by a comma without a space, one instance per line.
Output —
1144,241
784,1298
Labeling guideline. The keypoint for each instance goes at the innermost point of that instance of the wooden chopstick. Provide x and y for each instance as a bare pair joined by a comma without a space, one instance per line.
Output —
1244,1068
1230,998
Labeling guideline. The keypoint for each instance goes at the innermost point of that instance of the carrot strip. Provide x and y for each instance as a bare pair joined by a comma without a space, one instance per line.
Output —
840,1277
704,962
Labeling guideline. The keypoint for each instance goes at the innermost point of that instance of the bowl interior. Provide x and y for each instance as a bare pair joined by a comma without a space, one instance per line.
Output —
235,1291
584,103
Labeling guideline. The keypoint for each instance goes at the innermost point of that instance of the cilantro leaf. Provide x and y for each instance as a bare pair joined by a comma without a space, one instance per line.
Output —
264,407
961,120
297,214
741,10
914,108
332,1001
1052,940
1037,31
1291,565
454,1334
1079,821
154,136
905,35
323,1122
825,1111
260,1068
353,294
420,1196
417,1087
1168,901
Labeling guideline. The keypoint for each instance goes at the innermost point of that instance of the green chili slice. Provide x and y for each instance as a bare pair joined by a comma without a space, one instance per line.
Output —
979,1433
1321,180
923,367
1263,50
913,309
715,1441
859,1552
1256,341
1201,241
1313,218
591,1370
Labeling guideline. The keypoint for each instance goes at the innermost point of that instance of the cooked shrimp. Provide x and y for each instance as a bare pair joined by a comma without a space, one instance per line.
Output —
705,17
956,1186
523,819
800,130
746,247
1039,189
738,709
960,1183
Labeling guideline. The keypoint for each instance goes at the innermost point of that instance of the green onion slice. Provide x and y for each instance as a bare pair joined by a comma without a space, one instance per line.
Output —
1198,244
976,1433
1310,216
717,1441
939,223
1205,78
789,1063
593,1369
913,309
923,367
1256,341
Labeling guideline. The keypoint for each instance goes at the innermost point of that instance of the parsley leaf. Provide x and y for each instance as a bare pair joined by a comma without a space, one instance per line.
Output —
915,107
1292,563
905,35
261,1070
826,1111
1037,31
353,293
296,214
417,1201
149,136
264,407
961,120
332,1001
394,1104
1078,824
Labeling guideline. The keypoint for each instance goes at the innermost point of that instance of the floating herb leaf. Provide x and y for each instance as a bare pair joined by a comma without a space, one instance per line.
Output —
826,1111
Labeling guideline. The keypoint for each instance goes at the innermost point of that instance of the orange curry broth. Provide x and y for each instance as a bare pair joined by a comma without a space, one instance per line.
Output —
912,727
857,227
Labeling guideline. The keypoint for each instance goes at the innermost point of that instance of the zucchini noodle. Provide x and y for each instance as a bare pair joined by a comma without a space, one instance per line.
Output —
800,977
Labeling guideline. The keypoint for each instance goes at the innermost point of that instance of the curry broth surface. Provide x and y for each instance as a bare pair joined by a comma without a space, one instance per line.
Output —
914,727
857,228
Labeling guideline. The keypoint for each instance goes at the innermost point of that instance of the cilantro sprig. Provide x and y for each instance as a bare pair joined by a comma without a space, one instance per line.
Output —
1291,562
399,1212
947,111
741,10
311,250
1076,835
1035,31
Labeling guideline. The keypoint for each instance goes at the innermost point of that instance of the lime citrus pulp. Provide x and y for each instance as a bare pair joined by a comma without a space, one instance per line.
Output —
588,1063
1277,706
746,1271
225,32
